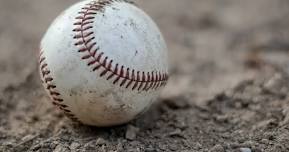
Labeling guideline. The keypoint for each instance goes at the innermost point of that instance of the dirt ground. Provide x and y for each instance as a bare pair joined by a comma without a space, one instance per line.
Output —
228,89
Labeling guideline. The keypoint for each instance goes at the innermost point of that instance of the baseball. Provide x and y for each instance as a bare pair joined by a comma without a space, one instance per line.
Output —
103,62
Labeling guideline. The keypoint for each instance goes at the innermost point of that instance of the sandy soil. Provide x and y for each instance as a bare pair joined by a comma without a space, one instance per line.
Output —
228,90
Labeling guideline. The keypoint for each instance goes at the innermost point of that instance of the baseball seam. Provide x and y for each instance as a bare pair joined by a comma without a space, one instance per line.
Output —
47,81
121,75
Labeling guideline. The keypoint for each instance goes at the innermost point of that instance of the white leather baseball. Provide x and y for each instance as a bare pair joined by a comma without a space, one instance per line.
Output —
103,62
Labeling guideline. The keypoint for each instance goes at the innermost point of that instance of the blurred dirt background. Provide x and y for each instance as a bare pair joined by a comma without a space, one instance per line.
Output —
228,92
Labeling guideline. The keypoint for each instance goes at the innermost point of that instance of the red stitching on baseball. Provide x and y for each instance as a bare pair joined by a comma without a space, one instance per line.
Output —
47,80
142,81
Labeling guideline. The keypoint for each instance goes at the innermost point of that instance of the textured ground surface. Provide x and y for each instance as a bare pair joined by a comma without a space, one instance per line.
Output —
229,86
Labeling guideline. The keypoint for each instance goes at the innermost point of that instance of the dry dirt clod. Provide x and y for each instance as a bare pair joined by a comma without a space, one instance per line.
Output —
61,148
131,132
217,148
178,102
270,123
176,133
74,145
90,145
100,141
274,83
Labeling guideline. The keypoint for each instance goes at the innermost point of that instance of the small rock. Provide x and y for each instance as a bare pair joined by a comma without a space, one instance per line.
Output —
176,133
222,118
27,138
60,148
8,143
100,141
180,123
74,146
274,82
131,132
173,147
54,143
217,148
265,141
245,150
234,145
90,145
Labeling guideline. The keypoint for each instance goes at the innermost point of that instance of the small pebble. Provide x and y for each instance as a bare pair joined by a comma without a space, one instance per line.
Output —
173,147
150,149
74,146
100,141
265,141
245,150
176,133
90,145
60,148
131,132
27,138
217,148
